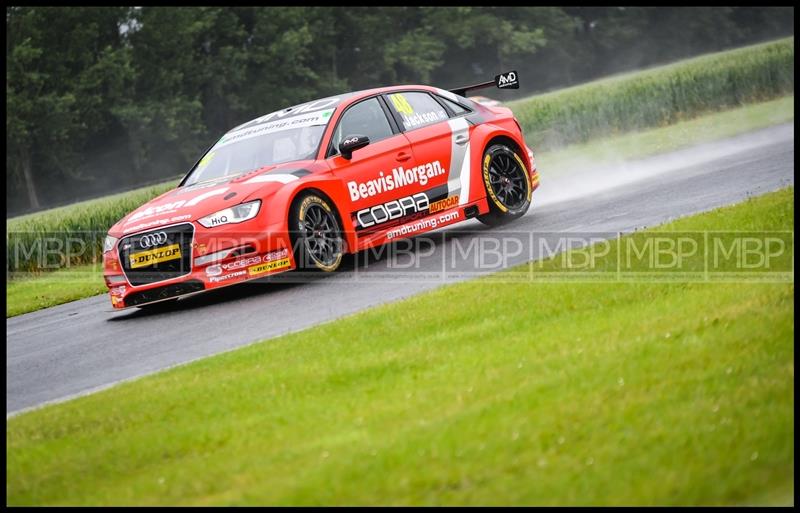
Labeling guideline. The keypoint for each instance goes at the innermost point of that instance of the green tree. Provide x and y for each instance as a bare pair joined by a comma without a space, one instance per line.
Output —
57,100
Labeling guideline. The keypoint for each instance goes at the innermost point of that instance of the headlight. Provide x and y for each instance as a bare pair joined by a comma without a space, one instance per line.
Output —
235,214
108,244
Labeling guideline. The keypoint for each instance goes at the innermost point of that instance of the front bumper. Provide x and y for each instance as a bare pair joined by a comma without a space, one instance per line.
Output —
216,258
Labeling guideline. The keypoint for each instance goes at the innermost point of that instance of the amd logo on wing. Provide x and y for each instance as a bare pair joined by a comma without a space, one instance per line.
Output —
507,80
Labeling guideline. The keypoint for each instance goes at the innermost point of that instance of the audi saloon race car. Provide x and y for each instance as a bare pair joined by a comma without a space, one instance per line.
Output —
301,187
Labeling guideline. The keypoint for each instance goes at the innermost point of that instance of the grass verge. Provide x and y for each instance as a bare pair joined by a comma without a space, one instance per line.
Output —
34,292
659,96
637,145
475,393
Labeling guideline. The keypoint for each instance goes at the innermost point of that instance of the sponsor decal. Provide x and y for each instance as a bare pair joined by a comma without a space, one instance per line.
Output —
155,256
507,80
213,270
118,291
425,224
224,277
423,118
162,209
268,267
399,178
392,210
215,220
312,119
325,103
413,119
401,104
276,255
173,206
158,222
238,264
444,204
115,300
200,249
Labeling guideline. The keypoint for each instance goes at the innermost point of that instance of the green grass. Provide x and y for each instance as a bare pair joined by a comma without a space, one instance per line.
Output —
658,96
35,292
636,145
476,393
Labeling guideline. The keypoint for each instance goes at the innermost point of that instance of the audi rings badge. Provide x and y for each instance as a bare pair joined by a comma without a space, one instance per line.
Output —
153,239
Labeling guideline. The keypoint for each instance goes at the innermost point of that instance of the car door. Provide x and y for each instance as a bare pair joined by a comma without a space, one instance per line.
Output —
438,136
368,176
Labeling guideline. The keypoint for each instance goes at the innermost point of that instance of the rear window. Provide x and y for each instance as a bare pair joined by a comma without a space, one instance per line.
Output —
457,109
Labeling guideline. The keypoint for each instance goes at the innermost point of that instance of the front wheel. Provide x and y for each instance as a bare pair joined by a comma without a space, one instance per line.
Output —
507,183
316,235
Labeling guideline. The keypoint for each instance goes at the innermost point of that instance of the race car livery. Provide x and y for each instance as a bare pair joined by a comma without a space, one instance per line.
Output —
301,187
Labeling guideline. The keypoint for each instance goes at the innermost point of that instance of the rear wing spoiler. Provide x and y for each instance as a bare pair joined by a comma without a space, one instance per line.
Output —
507,80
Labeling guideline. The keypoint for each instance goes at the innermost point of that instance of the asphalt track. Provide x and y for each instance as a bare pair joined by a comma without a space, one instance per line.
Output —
81,347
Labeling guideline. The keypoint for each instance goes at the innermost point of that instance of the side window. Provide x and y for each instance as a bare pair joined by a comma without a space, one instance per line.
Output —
417,109
364,118
457,109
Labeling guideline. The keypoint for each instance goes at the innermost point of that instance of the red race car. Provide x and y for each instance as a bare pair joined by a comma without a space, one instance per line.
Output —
303,186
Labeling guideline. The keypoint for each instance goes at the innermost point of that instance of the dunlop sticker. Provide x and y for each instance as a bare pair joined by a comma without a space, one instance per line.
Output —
267,267
155,256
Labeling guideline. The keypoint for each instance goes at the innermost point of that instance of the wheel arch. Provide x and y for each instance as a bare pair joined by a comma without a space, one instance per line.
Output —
507,140
482,138
312,188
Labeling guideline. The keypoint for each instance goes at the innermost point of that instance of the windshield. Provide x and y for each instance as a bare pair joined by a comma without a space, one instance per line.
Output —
260,145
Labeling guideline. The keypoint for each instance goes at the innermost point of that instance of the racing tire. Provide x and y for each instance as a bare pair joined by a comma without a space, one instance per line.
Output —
316,234
507,184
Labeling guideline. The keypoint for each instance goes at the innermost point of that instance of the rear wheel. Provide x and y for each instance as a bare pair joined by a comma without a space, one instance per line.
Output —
507,183
316,235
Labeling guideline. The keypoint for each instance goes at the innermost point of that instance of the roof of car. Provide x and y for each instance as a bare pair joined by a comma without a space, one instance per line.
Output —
328,102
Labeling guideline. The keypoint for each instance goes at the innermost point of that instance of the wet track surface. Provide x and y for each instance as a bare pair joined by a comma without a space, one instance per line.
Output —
83,346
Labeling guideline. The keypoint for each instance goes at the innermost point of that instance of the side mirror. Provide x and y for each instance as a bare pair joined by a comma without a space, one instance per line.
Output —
351,143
